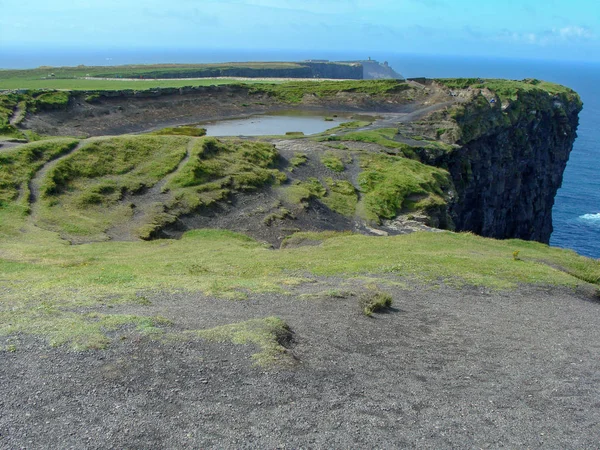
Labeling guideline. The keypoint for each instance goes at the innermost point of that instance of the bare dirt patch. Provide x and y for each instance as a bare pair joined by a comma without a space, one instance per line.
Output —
443,368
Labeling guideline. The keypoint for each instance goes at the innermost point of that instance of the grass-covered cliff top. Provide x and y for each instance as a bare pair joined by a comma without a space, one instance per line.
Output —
159,75
510,89
135,70
491,103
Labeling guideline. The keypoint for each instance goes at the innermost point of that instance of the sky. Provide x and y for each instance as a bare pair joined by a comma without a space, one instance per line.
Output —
542,29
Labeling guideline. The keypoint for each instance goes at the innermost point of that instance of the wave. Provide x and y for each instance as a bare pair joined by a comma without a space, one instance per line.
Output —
591,217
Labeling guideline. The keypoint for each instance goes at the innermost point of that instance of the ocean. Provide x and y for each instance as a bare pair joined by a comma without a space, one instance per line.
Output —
576,212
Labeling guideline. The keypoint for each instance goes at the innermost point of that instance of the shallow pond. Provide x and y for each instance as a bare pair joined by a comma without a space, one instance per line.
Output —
279,124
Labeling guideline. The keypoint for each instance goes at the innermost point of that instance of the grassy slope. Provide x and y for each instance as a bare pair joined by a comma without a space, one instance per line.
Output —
46,283
83,195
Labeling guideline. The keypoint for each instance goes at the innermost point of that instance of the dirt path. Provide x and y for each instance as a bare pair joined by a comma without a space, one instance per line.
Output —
9,145
392,120
18,115
444,368
36,182
144,202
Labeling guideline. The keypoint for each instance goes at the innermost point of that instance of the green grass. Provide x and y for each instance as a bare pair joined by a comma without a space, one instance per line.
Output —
114,85
347,126
298,160
180,131
303,191
83,195
381,136
332,161
279,214
389,182
8,102
45,281
510,89
373,301
311,237
216,169
341,197
267,334
137,70
294,91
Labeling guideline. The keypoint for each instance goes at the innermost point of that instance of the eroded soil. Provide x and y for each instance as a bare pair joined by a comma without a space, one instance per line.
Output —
444,368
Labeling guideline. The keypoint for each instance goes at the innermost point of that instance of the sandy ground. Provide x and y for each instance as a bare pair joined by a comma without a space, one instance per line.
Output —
445,368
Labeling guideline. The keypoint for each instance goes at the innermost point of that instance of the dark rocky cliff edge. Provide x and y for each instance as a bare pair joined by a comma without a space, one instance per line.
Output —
513,151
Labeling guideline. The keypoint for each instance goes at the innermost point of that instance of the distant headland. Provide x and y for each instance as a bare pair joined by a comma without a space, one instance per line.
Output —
368,69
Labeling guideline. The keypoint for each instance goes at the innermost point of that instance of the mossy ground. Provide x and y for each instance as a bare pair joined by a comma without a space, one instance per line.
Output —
294,92
391,183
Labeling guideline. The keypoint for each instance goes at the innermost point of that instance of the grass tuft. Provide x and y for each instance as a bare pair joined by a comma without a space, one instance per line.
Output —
374,301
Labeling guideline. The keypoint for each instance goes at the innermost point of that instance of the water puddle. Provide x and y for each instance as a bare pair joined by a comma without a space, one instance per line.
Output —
273,124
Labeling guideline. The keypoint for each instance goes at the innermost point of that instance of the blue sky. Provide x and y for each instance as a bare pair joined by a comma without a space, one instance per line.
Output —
547,29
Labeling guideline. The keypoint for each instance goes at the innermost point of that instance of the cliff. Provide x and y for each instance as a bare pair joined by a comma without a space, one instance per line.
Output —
514,141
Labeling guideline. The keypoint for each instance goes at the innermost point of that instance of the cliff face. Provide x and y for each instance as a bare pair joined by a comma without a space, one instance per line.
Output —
511,161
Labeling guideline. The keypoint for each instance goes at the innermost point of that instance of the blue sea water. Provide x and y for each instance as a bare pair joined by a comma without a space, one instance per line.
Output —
576,211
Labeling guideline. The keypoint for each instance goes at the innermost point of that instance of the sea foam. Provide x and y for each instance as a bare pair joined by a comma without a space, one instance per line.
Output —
591,217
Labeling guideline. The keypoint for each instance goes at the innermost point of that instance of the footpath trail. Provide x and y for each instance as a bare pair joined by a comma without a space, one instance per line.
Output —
35,184
392,120
18,115
444,368
145,203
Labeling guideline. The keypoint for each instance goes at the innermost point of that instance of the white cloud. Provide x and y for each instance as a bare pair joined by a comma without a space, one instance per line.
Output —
574,33
546,37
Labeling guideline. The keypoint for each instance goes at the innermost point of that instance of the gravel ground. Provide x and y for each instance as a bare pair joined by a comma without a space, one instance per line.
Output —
443,368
